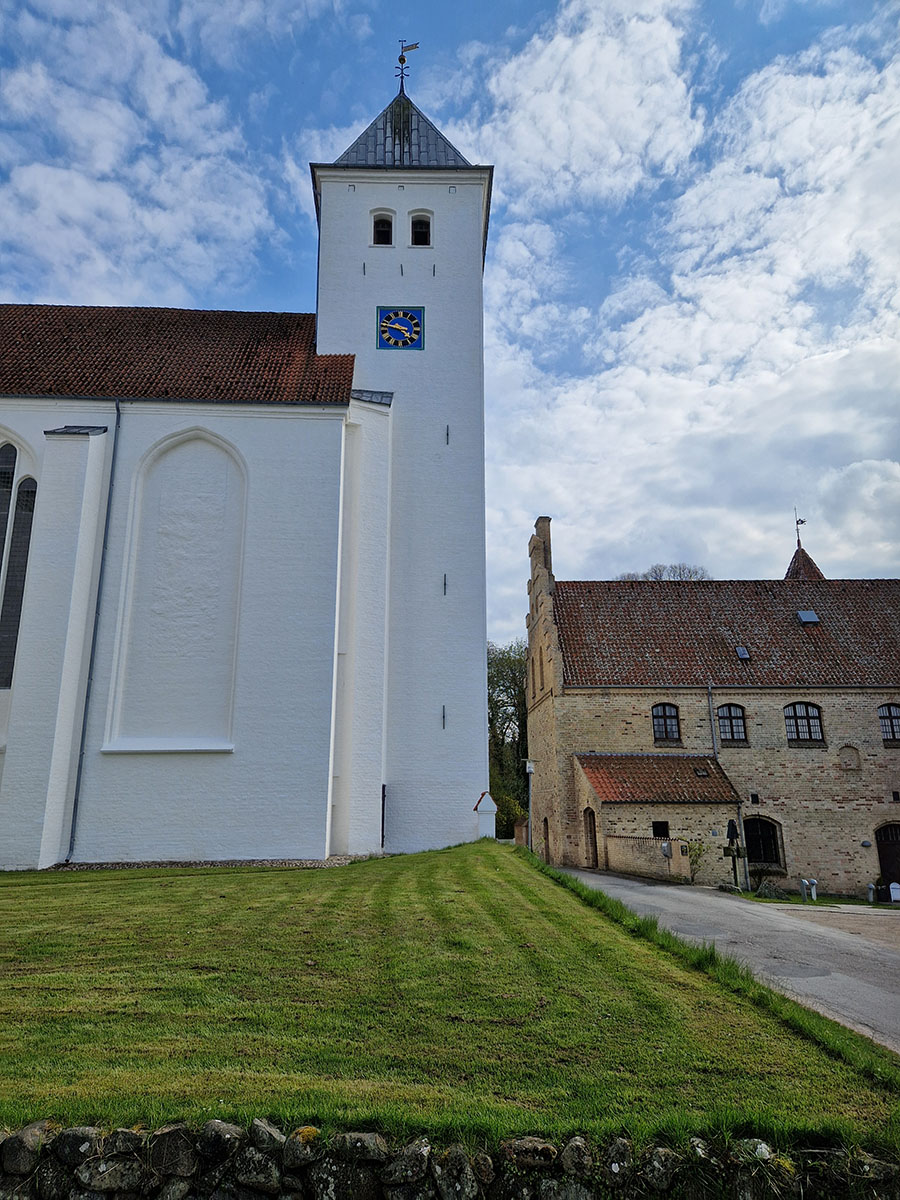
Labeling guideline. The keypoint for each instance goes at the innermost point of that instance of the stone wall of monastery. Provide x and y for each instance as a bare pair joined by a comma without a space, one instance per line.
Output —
827,799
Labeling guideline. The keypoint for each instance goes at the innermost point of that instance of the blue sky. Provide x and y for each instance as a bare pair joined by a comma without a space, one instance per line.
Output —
692,296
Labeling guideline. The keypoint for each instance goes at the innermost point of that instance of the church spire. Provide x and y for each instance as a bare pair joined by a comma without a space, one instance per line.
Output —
801,565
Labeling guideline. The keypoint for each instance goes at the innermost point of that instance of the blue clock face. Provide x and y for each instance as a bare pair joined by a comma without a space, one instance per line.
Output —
401,328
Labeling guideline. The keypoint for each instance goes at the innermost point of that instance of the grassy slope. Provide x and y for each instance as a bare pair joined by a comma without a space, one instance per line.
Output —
458,992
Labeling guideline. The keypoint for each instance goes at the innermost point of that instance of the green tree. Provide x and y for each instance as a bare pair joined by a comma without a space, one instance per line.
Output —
507,732
677,571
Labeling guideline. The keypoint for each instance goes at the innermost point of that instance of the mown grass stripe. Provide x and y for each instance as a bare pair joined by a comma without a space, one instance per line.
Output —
876,1063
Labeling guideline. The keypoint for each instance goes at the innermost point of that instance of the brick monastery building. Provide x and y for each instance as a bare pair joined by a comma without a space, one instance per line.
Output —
658,712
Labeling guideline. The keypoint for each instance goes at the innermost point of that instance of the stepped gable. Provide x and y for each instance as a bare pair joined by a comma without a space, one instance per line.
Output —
657,779
647,633
802,566
401,136
168,354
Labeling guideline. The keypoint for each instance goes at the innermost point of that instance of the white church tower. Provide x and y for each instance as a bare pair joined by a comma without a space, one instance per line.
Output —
403,221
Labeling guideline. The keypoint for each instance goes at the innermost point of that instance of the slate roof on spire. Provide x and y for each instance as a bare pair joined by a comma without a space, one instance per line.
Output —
802,566
401,136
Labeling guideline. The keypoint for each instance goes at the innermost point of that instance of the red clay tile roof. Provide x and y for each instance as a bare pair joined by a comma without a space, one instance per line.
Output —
657,779
649,633
168,354
802,566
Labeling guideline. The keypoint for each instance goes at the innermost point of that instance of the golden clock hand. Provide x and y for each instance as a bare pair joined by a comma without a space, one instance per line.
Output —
397,325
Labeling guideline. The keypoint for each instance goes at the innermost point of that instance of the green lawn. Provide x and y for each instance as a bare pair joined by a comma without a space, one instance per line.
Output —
462,993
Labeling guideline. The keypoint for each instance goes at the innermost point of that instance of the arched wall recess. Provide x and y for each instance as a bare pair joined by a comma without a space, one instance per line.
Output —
177,633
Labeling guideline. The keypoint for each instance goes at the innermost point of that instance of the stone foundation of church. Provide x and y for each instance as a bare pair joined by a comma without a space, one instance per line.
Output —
225,1162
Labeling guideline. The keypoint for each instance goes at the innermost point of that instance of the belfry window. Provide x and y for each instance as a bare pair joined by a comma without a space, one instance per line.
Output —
383,231
420,231
665,723
803,723
15,532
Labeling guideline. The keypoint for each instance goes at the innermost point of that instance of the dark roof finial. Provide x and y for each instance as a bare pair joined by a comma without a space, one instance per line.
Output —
401,71
798,521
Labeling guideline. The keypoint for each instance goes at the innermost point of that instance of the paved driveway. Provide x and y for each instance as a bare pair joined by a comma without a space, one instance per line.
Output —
843,961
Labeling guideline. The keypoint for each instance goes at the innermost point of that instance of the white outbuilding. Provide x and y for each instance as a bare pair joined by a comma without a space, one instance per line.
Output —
242,587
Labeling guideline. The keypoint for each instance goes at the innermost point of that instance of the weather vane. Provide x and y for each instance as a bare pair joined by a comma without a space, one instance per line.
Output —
401,70
798,521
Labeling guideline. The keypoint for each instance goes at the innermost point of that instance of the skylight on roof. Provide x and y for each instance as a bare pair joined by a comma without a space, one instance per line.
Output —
742,652
806,616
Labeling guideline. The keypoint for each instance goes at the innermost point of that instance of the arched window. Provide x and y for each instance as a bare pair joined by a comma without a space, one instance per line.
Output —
665,723
889,716
545,829
533,686
383,230
732,726
16,544
541,666
803,723
420,231
763,841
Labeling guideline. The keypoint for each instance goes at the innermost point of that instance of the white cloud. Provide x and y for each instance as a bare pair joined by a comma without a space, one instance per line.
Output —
596,104
751,365
125,181
221,28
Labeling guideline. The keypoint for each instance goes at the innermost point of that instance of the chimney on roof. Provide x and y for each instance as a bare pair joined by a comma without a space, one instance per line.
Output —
541,582
542,533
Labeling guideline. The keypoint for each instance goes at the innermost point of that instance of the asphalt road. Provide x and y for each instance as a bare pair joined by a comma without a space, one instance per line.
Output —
842,961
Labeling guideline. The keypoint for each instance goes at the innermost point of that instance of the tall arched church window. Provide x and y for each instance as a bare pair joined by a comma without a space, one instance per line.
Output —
16,554
383,231
803,723
420,231
665,723
889,716
732,725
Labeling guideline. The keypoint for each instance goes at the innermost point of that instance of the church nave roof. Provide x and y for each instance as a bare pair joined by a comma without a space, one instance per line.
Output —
168,354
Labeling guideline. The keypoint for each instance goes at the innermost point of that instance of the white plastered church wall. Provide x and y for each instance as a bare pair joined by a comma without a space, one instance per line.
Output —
362,639
46,697
436,719
262,789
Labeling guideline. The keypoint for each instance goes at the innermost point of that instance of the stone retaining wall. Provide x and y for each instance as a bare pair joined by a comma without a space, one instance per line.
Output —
225,1162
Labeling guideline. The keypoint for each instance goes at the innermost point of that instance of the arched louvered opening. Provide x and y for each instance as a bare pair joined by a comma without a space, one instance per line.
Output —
383,231
420,231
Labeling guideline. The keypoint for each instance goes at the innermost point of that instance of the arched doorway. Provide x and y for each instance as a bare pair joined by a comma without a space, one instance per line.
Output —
590,839
887,839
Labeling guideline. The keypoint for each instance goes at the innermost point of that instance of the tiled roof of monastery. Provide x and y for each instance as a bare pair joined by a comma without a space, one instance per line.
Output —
802,566
401,136
650,633
168,354
657,779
